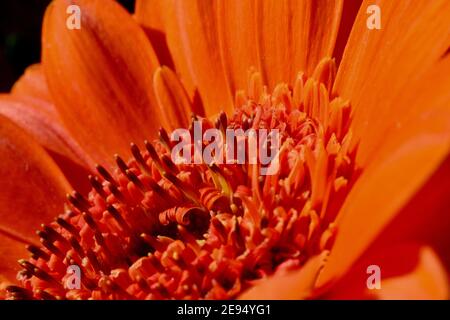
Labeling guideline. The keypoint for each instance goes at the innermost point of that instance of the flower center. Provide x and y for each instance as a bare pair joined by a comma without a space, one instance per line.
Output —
153,229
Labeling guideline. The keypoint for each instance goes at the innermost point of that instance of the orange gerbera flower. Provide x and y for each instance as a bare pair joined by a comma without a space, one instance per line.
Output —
364,117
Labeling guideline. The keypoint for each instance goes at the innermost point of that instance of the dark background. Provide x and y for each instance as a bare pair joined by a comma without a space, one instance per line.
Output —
20,36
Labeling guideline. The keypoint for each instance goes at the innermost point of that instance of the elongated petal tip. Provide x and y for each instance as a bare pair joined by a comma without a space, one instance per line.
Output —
100,76
31,192
172,98
291,286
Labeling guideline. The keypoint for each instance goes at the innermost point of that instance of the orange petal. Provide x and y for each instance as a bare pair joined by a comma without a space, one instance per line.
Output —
412,151
432,228
191,31
215,43
32,188
40,119
30,106
407,271
288,286
427,281
11,250
32,83
238,40
149,16
31,191
349,13
101,77
295,35
172,98
148,13
378,64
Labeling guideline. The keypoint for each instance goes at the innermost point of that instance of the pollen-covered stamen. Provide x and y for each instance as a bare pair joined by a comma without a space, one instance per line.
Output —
96,184
154,229
74,232
19,293
105,174
164,138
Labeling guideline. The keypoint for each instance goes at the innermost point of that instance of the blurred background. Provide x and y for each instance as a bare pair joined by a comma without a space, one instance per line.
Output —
20,36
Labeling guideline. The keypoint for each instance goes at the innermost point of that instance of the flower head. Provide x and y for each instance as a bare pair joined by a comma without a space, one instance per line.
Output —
359,139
